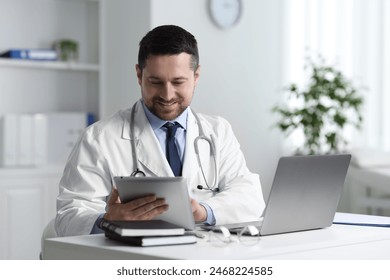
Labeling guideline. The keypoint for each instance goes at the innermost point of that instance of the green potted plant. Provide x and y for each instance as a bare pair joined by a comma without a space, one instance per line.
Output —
67,49
322,111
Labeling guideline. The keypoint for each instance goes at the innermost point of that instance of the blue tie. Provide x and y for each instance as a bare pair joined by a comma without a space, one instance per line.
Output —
171,149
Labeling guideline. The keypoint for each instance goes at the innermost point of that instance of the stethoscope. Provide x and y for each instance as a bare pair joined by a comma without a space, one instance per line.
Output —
202,136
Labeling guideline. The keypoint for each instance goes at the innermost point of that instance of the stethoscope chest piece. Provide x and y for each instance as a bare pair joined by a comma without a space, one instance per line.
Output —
137,173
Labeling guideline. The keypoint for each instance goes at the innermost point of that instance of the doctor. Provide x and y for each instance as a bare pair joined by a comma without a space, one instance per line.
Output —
222,189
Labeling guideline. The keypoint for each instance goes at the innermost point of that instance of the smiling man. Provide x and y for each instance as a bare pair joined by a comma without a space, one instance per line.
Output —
222,189
167,84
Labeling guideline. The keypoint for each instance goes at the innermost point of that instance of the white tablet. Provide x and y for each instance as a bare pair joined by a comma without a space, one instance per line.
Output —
173,189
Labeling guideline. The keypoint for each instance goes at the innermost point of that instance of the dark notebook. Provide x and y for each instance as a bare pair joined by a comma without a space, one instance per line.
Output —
146,241
141,228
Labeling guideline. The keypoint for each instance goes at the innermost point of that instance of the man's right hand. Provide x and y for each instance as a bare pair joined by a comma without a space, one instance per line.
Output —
144,208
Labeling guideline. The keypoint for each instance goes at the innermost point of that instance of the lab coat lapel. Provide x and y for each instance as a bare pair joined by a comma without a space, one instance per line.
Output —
150,156
190,164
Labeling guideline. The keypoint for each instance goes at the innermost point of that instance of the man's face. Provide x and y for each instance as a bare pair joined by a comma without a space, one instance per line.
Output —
167,84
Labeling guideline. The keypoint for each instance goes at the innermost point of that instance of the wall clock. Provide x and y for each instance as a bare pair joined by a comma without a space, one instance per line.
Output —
225,13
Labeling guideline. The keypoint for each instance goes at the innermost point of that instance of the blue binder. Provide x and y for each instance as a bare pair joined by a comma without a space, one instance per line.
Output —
31,54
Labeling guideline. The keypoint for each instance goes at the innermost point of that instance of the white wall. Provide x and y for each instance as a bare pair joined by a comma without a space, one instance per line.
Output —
124,23
240,74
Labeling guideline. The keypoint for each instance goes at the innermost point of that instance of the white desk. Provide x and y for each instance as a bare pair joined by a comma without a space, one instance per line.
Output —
336,242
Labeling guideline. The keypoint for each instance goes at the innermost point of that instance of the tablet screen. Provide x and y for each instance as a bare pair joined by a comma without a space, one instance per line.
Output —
173,189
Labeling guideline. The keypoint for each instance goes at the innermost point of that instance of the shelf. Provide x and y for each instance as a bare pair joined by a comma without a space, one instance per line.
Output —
49,65
30,171
83,0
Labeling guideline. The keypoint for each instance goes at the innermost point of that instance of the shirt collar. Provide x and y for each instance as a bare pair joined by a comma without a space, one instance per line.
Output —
157,123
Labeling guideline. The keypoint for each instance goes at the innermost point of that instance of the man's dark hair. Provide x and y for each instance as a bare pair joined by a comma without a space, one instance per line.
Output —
168,40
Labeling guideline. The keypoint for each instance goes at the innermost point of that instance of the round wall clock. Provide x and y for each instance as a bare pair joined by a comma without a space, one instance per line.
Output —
225,13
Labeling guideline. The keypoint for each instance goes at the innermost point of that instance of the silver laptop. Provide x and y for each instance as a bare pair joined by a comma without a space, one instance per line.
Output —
305,194
173,189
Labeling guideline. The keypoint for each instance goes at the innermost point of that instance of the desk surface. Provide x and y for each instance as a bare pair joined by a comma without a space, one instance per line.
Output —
335,242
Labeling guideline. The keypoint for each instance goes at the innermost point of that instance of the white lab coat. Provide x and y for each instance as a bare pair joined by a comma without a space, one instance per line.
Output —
104,151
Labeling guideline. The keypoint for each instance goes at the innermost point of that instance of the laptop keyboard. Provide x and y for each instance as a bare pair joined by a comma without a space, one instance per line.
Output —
235,227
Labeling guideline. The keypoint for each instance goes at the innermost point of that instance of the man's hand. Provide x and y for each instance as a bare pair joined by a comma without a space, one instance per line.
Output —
144,208
199,212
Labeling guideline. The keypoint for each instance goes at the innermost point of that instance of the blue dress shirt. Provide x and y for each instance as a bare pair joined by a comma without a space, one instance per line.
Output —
160,131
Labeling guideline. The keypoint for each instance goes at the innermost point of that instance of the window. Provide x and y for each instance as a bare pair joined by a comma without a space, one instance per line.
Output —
354,36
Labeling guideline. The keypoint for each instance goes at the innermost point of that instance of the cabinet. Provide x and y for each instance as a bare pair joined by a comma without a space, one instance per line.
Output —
27,204
28,195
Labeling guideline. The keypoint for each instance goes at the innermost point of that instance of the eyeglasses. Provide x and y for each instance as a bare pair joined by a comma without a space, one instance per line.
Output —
221,236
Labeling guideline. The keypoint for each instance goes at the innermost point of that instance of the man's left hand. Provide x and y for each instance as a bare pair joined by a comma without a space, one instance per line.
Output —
199,212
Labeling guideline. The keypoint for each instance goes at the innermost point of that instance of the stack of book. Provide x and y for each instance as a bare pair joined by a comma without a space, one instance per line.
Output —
146,233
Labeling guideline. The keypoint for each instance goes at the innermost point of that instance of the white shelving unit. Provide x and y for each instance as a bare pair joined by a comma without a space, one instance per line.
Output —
101,82
27,195
50,65
61,86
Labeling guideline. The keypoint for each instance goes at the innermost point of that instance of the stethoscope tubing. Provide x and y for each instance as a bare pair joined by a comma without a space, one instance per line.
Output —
202,136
